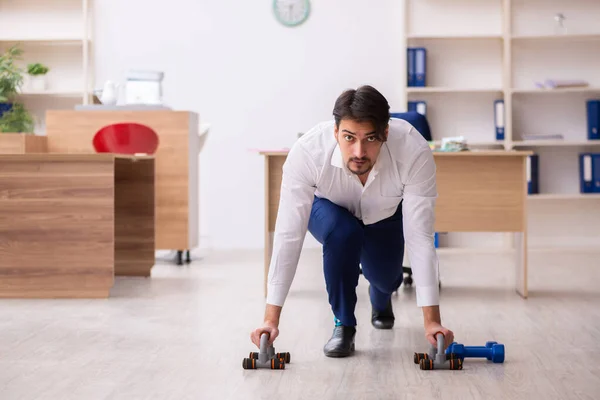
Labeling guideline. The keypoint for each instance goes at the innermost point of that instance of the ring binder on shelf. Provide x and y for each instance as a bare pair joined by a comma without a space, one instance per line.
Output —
410,67
533,174
593,119
420,67
589,172
499,119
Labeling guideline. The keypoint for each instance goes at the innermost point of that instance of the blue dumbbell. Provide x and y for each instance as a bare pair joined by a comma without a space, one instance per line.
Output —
492,351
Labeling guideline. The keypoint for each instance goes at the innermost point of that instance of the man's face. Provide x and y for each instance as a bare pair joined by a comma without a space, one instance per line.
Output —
360,148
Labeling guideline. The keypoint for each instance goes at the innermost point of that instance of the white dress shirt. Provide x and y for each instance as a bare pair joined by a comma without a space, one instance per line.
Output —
404,170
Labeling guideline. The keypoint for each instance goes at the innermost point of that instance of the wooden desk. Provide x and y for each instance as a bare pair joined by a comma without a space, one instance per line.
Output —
177,202
70,222
478,191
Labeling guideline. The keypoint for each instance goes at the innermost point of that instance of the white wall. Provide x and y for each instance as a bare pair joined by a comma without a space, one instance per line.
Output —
257,82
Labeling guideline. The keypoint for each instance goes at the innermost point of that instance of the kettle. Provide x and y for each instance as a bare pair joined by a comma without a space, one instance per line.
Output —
110,93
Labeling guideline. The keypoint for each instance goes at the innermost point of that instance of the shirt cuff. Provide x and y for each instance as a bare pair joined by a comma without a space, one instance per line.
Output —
276,295
428,296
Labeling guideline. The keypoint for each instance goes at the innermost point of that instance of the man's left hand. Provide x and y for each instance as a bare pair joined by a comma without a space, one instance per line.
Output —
432,328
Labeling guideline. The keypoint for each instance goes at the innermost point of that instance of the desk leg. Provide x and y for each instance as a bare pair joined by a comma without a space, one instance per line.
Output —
521,263
273,178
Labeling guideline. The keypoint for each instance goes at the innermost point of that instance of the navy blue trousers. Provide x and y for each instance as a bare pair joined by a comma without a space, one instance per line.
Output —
348,244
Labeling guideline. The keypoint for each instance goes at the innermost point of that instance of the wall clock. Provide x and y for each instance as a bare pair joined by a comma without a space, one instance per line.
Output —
291,12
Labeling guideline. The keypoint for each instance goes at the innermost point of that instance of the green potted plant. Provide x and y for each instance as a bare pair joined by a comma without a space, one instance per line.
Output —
14,117
17,120
17,132
11,77
37,73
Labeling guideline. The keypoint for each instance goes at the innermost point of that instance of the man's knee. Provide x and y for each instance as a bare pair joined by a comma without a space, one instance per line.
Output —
333,225
387,284
344,232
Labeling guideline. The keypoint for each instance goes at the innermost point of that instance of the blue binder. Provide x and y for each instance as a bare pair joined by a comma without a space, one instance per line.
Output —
589,172
420,67
418,106
593,119
410,67
533,174
499,119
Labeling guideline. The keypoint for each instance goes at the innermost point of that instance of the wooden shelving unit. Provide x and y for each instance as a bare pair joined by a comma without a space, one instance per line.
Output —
58,34
479,52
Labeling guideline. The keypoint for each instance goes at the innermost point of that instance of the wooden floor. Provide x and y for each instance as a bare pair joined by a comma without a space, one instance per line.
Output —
182,334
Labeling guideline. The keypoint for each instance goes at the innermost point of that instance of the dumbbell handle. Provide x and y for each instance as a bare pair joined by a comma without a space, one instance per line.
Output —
478,351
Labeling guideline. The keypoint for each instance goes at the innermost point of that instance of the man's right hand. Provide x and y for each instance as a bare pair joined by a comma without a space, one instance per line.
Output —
269,328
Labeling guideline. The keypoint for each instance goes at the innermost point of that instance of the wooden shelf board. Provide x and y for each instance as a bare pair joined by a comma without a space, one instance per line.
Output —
53,93
482,153
475,143
452,90
454,37
44,41
555,143
585,89
575,36
564,196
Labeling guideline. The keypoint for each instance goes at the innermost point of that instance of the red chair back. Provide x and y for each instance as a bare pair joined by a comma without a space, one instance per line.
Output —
126,138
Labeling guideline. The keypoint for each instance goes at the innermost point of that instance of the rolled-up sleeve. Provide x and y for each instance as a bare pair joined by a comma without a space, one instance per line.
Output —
297,194
418,210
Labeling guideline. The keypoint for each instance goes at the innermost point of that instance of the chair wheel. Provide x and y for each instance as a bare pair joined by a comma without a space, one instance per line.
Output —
408,280
277,363
249,363
285,356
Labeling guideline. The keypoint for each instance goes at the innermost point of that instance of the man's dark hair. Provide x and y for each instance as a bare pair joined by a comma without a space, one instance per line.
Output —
363,104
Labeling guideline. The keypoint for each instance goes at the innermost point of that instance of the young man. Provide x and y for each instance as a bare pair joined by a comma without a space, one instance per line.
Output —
363,185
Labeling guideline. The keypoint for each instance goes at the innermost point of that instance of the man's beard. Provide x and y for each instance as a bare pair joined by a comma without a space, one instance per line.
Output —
364,168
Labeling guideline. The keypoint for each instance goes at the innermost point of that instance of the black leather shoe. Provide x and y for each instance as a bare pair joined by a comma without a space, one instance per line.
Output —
383,319
341,343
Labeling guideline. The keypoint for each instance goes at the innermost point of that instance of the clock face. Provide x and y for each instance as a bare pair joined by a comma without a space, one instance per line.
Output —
291,12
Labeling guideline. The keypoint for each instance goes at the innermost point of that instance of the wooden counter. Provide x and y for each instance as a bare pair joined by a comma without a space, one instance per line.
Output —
70,222
177,180
478,191
22,143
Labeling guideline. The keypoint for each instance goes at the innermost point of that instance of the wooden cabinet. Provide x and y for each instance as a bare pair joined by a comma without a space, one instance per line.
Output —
71,222
177,203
